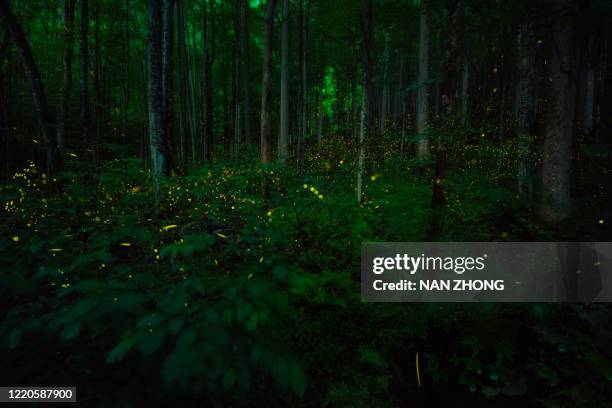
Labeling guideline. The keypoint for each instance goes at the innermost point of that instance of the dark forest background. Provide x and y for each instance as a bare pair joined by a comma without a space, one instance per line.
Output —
185,186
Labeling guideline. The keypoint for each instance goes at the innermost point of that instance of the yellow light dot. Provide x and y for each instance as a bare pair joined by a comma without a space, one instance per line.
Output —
305,186
15,238
600,221
269,213
320,196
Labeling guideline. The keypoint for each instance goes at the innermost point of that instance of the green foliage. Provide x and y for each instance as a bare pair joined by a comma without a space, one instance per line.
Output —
221,295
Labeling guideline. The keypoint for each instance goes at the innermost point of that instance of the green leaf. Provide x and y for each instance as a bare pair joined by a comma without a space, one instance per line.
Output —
70,331
15,338
297,379
151,341
229,379
117,353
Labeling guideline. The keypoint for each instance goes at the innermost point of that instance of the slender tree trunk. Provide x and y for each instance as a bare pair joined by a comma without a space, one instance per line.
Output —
67,35
423,78
236,108
167,62
555,205
399,93
465,82
283,138
589,103
320,121
207,102
526,107
355,126
303,128
267,83
361,157
183,97
602,73
45,119
385,87
366,117
266,90
85,107
154,98
246,69
99,111
191,80
126,80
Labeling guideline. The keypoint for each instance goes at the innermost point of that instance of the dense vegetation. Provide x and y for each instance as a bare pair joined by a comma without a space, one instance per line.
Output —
160,250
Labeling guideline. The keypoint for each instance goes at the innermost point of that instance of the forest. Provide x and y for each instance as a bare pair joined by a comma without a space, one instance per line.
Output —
185,187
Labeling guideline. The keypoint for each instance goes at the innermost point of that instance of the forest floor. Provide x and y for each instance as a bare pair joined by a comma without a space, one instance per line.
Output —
222,297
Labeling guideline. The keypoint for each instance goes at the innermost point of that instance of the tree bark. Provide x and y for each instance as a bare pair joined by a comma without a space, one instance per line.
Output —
236,108
246,69
167,61
384,103
303,128
266,87
85,108
555,205
526,107
423,78
265,94
367,103
154,99
183,97
67,35
207,100
125,85
283,138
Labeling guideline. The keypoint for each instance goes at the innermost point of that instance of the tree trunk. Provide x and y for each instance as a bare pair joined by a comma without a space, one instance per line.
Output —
366,116
154,98
207,100
385,87
555,205
98,105
246,69
265,94
423,78
67,35
236,109
85,108
465,82
355,127
283,137
45,119
266,87
526,107
303,128
589,102
126,80
320,121
167,53
183,97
